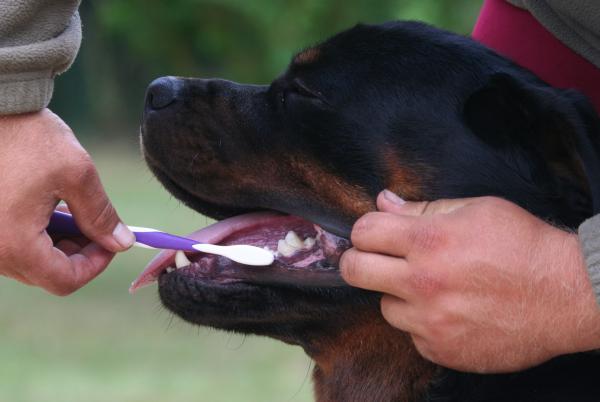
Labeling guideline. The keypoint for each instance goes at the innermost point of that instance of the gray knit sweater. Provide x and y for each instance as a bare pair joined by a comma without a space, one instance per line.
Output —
38,40
576,23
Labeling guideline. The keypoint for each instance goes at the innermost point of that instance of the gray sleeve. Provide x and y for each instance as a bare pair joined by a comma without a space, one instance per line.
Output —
589,238
39,39
574,23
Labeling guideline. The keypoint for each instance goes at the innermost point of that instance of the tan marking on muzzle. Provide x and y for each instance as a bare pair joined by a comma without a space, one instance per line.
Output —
403,180
300,177
330,189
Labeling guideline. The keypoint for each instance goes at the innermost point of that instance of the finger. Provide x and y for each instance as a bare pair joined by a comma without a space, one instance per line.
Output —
387,201
376,272
93,211
384,233
61,274
400,314
68,246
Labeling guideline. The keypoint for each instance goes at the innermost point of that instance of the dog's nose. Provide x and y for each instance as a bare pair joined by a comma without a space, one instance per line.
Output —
161,93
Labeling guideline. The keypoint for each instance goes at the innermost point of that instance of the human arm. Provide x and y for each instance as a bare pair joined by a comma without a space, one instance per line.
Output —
39,39
41,162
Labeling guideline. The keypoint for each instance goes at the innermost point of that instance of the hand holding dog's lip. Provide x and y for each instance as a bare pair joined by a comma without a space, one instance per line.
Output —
318,268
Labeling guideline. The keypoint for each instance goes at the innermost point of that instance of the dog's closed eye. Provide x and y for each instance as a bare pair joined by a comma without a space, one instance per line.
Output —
300,89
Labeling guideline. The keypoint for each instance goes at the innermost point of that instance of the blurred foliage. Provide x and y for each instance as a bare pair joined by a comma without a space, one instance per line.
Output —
128,43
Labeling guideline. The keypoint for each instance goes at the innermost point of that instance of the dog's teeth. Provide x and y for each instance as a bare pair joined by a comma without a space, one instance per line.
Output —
181,259
293,243
309,242
285,249
292,239
170,269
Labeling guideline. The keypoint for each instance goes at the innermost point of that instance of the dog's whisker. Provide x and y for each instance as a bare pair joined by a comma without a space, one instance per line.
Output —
309,368
170,322
238,347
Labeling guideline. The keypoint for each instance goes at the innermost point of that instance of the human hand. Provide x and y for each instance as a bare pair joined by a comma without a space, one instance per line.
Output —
41,163
480,284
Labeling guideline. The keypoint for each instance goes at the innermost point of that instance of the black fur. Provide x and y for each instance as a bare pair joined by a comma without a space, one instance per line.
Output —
460,119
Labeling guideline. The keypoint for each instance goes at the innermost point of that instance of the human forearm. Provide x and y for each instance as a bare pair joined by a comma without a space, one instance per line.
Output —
38,40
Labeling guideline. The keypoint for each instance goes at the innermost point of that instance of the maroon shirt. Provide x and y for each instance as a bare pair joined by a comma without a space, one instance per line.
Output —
516,34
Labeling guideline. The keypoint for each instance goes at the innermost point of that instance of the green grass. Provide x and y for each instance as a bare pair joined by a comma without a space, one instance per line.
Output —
102,344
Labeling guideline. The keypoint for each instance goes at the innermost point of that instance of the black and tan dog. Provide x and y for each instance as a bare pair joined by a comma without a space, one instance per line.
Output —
404,106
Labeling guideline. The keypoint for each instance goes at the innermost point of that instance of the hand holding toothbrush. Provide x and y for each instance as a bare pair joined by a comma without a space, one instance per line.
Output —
41,163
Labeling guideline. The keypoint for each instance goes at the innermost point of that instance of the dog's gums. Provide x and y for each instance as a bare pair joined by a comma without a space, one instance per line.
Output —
305,254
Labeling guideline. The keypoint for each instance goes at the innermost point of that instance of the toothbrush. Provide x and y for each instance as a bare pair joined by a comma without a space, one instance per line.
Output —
63,223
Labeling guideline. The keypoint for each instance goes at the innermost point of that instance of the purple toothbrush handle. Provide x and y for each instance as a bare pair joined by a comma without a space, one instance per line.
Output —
165,240
64,224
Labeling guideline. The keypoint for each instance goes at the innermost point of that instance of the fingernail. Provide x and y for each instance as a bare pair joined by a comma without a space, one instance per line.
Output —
392,197
123,235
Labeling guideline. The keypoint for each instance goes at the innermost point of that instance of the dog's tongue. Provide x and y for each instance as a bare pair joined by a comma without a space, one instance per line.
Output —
211,234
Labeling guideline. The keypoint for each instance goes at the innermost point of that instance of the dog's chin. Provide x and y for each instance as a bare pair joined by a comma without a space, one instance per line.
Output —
293,314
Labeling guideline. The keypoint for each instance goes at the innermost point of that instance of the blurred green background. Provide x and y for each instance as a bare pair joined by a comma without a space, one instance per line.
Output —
102,344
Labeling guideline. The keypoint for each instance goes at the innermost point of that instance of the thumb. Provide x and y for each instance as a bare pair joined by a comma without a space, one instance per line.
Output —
94,214
388,201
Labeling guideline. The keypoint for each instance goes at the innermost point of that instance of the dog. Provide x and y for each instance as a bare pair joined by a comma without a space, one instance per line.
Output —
290,166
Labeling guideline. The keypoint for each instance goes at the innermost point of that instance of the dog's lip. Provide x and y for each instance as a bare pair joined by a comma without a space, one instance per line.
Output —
220,231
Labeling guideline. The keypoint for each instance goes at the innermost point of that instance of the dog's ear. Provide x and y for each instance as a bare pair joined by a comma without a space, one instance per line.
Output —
558,128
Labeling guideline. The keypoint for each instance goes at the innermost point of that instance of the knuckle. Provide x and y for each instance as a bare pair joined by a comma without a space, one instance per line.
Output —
493,201
63,289
85,171
80,170
104,218
350,265
425,283
363,226
68,284
427,237
439,327
347,265
436,323
491,206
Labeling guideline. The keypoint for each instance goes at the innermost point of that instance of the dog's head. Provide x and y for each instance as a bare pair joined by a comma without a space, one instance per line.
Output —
404,106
